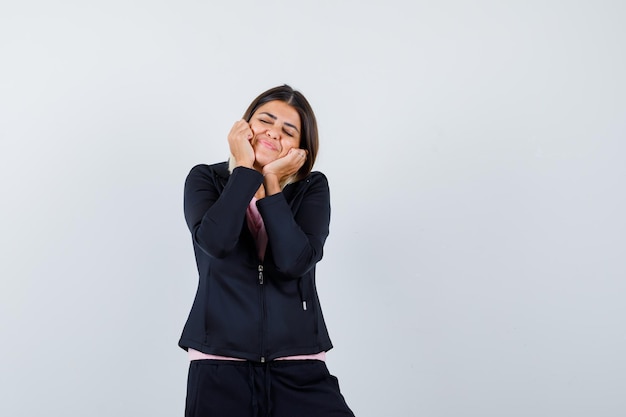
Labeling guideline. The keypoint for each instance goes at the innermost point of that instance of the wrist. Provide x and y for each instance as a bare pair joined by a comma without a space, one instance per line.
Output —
271,182
243,163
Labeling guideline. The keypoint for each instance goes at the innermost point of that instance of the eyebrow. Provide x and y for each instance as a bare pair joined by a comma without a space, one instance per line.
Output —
274,118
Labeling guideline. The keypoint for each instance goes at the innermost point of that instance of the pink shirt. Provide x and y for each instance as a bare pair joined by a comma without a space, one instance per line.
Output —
194,355
257,227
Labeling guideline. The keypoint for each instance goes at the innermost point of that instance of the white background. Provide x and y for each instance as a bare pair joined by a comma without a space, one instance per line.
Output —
475,152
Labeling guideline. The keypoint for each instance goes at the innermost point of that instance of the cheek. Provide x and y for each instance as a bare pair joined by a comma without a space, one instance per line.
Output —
293,143
256,129
289,145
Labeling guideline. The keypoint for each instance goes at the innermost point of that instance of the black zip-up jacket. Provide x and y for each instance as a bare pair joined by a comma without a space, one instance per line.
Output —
244,307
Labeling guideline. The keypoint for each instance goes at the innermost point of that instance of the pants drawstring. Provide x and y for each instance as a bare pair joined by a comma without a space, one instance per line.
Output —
268,387
255,404
266,369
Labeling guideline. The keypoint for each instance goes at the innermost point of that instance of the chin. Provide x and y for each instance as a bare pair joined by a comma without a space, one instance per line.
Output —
262,159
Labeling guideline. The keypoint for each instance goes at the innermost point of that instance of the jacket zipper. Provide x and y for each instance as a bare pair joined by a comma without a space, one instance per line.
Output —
261,283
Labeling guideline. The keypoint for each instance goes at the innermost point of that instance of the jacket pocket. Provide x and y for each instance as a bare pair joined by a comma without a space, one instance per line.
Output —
207,298
291,315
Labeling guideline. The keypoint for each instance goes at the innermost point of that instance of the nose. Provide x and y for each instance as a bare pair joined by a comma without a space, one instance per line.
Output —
272,133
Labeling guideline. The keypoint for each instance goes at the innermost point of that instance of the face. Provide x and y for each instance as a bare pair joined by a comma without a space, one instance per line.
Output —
276,129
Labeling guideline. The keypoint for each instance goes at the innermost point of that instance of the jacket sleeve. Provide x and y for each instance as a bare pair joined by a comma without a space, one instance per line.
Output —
215,219
297,240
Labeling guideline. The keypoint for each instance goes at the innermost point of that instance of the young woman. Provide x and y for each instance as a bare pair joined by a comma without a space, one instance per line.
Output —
256,335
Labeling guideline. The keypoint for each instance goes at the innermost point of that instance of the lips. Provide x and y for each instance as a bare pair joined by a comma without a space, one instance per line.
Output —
268,144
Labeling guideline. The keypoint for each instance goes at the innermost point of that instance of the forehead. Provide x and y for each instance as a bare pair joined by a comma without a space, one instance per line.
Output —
283,112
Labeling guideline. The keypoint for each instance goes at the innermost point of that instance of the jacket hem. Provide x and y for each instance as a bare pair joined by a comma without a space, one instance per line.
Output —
253,357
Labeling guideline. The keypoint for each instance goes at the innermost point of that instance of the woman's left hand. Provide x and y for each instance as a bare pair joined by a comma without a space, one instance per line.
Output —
280,169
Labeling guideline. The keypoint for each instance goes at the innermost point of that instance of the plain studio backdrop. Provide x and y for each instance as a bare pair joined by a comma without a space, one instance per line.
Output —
475,153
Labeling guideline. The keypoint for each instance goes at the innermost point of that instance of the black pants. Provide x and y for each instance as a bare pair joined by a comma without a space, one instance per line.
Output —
289,388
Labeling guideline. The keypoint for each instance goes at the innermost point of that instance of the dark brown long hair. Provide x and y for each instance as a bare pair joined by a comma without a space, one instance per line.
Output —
309,139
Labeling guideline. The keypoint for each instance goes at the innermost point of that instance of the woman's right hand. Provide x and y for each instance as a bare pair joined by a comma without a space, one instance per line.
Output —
239,142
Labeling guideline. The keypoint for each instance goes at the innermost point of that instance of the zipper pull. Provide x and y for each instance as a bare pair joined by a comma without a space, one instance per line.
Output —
261,274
